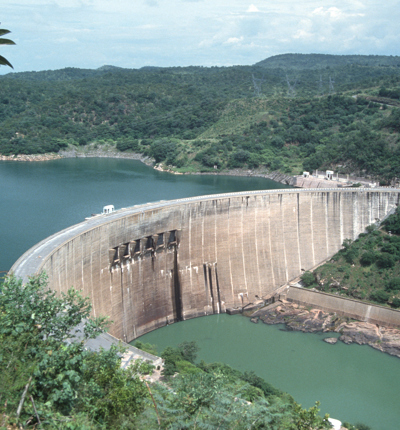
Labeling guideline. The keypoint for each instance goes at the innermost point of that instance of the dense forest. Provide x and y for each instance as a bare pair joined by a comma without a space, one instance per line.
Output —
289,113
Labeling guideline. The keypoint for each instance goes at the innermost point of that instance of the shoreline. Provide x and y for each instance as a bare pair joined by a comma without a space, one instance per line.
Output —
31,157
107,151
309,319
276,176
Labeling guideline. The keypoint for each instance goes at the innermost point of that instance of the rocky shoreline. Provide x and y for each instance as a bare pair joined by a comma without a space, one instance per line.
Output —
312,320
108,152
111,152
274,176
30,157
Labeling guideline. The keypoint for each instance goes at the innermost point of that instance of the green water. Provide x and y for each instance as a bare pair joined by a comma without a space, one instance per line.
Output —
38,199
354,383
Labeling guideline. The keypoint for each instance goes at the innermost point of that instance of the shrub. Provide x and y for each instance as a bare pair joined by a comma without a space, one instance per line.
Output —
239,158
360,426
125,144
371,228
185,367
350,255
392,223
367,258
393,285
147,347
385,260
308,279
186,351
164,150
379,296
389,248
395,303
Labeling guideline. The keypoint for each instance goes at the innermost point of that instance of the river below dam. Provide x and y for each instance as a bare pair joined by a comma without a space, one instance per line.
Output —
38,199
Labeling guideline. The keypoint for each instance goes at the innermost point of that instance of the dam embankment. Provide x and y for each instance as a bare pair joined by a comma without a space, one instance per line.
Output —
154,264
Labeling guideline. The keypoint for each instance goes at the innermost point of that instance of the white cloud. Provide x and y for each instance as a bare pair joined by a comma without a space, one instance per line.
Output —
129,33
252,8
323,11
334,13
234,40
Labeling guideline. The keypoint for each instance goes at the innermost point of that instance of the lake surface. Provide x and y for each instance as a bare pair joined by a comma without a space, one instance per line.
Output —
353,383
40,198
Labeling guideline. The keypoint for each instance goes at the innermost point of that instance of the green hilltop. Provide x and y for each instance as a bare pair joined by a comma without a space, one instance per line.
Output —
319,61
290,113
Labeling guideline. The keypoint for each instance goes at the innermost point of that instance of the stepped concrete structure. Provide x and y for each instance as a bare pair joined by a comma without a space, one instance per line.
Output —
152,265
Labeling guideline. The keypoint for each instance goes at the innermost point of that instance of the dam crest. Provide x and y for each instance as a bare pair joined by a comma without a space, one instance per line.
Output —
154,264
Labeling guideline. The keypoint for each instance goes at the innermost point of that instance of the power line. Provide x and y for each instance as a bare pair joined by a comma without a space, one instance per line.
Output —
331,87
257,85
291,87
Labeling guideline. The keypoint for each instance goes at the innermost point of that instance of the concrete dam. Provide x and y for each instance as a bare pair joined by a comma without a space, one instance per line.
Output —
154,264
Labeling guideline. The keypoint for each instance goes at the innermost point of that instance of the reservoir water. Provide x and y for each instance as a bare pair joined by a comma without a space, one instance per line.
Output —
38,199
353,383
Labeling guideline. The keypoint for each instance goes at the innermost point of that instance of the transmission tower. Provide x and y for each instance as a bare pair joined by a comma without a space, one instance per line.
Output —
331,88
257,85
320,86
291,87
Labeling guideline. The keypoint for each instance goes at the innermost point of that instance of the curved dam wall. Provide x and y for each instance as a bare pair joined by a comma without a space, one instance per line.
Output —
155,264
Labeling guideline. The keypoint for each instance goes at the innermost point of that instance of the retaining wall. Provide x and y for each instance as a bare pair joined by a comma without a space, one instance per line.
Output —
351,308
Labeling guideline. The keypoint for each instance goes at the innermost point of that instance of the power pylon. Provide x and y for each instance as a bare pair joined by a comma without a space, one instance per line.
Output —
291,87
257,85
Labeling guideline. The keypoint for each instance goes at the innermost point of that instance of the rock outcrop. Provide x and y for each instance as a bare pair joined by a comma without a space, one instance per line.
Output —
299,318
30,157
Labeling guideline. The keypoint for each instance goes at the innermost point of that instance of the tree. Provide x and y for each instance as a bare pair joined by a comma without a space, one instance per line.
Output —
385,260
189,350
42,354
186,351
393,284
368,258
308,279
3,41
310,419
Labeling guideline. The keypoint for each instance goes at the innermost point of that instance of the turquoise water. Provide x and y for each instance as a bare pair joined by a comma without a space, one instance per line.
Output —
353,383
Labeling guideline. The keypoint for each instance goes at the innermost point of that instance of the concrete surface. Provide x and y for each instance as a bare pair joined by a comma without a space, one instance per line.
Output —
151,265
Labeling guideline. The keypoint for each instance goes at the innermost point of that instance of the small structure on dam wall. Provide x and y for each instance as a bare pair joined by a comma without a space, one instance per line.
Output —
155,264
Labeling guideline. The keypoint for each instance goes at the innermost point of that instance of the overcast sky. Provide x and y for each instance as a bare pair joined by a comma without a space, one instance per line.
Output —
53,34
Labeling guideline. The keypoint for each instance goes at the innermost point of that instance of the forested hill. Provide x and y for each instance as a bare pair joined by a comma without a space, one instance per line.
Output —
337,112
320,61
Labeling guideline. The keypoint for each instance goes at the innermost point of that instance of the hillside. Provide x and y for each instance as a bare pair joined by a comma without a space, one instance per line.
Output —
366,269
320,61
290,113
